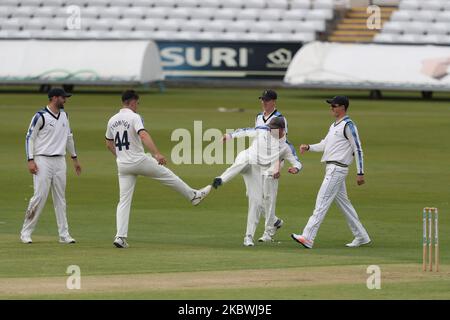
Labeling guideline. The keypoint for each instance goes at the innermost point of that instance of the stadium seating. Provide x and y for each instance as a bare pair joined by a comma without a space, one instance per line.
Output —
418,22
230,20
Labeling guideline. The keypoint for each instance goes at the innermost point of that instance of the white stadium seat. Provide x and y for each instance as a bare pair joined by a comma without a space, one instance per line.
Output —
90,12
416,27
111,12
254,4
208,36
432,5
211,3
193,25
393,27
9,3
157,13
250,14
239,4
402,15
125,24
11,24
260,27
164,3
25,11
215,25
439,28
277,4
409,5
203,14
319,14
180,13
300,4
323,4
188,3
295,14
147,25
384,37
226,14
135,13
443,16
170,25
238,26
423,15
273,14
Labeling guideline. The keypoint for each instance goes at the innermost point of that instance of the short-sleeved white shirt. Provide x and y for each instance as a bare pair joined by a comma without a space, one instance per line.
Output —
123,128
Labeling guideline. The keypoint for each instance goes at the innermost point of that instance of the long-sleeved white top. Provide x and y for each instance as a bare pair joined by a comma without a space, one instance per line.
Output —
266,150
49,135
341,145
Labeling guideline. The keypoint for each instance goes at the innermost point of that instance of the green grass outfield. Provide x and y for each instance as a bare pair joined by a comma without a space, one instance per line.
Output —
178,251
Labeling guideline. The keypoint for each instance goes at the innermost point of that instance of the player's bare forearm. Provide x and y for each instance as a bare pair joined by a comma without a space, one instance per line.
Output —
111,147
151,146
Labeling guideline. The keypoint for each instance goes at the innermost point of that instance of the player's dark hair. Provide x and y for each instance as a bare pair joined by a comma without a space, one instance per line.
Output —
129,95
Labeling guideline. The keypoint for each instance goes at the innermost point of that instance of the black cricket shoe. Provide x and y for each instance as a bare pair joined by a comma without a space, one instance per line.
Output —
217,182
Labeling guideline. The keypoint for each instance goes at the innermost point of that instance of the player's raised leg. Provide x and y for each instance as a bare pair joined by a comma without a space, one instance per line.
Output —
150,168
41,183
240,164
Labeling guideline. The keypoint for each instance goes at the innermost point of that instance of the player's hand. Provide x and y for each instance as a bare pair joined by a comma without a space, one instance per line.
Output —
32,167
360,180
160,158
304,148
293,170
277,175
77,166
225,137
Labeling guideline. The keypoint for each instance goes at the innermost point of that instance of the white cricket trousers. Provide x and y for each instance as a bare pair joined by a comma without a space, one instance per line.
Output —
261,191
148,167
333,188
51,174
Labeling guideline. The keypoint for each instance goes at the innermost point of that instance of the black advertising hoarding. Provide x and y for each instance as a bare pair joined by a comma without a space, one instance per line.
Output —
226,60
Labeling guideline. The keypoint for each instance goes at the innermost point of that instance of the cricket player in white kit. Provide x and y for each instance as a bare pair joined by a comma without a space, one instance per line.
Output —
125,135
268,150
47,139
339,147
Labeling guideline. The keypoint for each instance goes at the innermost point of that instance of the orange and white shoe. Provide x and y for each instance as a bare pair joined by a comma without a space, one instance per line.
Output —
302,240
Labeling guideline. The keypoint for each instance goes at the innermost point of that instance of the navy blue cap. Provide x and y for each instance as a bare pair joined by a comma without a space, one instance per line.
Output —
58,92
339,100
268,95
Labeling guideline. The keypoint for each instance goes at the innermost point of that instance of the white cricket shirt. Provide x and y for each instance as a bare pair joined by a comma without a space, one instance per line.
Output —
49,135
123,128
341,145
267,151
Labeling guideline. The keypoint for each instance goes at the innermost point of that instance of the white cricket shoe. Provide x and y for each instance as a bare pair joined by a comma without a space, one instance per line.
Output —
265,237
357,242
248,241
277,225
121,242
200,195
67,239
26,239
308,244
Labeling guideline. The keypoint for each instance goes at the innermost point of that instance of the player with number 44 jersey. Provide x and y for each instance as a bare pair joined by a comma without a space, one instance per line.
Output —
125,135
